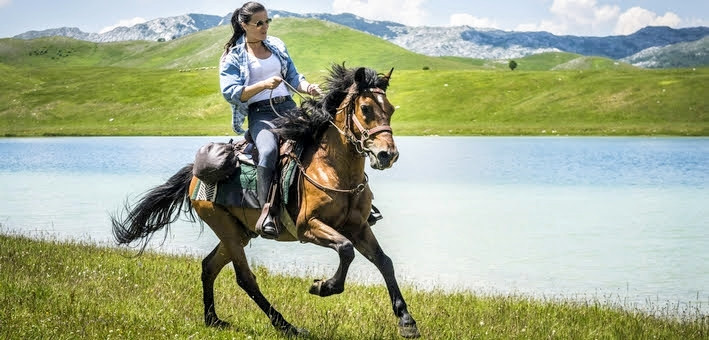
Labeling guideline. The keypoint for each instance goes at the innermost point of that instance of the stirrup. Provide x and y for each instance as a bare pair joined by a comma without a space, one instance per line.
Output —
267,224
374,216
269,230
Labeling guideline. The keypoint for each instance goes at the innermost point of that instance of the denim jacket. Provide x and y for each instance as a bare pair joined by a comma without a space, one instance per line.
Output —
234,75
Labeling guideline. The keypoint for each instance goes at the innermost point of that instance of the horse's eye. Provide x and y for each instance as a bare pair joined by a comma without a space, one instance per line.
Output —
366,109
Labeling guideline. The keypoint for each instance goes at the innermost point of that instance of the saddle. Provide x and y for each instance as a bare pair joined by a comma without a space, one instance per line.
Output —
236,164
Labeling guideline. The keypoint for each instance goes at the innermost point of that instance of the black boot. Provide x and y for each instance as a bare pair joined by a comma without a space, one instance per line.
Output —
374,216
269,227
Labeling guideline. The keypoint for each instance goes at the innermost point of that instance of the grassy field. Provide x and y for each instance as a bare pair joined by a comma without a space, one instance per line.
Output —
55,290
58,86
129,101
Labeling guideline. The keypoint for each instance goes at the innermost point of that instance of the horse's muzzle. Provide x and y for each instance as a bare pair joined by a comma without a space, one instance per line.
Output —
385,159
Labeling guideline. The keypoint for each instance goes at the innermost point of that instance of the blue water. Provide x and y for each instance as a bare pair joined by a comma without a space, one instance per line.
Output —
615,219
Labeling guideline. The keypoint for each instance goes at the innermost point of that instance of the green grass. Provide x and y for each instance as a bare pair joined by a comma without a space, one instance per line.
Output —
544,61
59,86
56,290
662,102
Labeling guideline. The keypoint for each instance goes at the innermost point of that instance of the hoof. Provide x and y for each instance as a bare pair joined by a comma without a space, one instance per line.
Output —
409,332
299,332
316,287
217,323
290,331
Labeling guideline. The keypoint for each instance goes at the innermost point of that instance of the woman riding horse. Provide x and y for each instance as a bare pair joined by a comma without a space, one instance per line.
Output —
329,204
253,69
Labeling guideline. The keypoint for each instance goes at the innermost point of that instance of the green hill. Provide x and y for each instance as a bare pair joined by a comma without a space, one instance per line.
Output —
544,61
316,44
59,86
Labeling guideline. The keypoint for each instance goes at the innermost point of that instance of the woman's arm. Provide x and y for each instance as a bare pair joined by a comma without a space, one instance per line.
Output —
252,90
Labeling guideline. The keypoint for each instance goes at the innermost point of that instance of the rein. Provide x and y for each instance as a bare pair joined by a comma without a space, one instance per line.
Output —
270,97
354,191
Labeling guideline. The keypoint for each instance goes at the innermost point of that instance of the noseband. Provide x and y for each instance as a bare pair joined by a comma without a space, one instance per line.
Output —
351,119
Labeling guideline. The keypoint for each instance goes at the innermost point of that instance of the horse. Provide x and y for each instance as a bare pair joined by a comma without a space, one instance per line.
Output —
349,123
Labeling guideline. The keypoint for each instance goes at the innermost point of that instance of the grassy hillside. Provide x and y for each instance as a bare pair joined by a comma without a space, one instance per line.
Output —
54,290
59,86
568,102
544,61
314,44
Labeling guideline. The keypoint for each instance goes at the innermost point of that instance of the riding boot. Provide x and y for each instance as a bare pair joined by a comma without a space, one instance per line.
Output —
269,221
374,216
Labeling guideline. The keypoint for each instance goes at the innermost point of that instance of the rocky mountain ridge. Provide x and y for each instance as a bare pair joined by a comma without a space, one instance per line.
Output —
461,41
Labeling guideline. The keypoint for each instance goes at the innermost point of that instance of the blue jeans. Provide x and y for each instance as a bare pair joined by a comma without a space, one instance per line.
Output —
261,116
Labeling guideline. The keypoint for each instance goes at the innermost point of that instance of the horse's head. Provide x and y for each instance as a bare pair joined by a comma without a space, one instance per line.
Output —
356,104
368,118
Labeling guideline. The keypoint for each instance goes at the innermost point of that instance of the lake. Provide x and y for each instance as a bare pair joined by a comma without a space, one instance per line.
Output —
620,220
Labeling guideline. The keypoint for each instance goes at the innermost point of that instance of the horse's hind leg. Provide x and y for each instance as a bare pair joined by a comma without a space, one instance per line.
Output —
247,281
233,238
367,244
211,266
324,235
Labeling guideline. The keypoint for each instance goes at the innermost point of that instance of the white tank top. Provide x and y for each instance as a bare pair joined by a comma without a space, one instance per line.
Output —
262,69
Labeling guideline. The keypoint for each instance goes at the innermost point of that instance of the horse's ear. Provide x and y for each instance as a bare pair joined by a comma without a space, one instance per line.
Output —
359,75
388,76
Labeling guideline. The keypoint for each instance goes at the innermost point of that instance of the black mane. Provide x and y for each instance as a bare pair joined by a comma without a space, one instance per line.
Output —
308,122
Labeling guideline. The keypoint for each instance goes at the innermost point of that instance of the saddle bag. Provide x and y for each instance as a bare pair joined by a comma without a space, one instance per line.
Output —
215,162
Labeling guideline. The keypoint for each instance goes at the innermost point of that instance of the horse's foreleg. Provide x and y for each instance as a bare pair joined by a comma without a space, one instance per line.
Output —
367,244
321,234
211,266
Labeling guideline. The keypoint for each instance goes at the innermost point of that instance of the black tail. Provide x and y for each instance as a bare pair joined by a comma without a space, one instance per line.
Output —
155,210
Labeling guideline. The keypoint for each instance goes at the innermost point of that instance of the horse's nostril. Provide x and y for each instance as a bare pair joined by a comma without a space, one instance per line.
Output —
386,157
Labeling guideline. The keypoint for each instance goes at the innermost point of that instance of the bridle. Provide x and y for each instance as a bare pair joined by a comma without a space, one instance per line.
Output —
359,143
351,119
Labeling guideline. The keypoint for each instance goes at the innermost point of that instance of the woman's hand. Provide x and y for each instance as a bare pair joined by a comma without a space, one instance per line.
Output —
272,83
314,90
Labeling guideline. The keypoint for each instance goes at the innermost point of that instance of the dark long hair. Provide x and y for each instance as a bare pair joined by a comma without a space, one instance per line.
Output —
242,14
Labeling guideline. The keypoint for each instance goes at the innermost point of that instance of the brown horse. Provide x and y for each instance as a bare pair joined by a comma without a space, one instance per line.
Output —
331,201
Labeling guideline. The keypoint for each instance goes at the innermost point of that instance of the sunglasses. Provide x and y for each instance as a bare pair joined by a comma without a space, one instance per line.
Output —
262,22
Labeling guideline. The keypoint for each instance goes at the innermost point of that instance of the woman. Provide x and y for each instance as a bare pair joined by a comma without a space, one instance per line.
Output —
253,69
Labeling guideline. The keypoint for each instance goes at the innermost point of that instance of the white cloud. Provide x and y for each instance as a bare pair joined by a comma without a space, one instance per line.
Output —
461,19
4,3
407,12
637,18
583,12
125,23
583,16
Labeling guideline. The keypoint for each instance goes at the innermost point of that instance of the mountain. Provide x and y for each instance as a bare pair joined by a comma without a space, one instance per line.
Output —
461,41
163,28
678,55
383,29
496,43
71,32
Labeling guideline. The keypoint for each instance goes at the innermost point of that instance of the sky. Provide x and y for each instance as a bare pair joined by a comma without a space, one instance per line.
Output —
560,17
